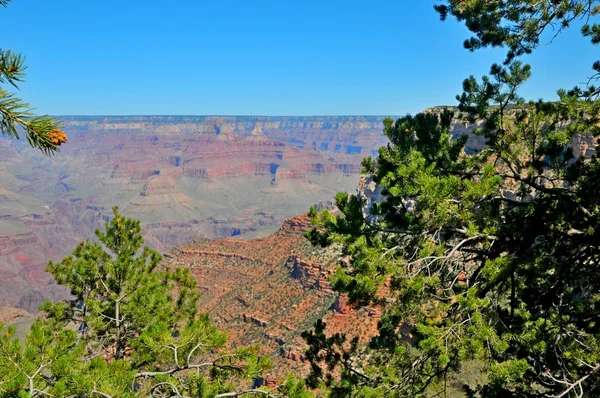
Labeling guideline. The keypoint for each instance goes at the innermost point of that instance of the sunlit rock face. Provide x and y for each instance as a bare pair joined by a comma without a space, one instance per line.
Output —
268,290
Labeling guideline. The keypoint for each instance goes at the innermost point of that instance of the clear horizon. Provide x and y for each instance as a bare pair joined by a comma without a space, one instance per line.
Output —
234,115
269,59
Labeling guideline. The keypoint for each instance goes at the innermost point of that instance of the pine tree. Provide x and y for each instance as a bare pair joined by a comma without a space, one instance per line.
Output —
488,260
131,329
42,132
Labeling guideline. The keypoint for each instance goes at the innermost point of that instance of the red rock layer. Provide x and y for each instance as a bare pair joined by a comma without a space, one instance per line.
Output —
271,289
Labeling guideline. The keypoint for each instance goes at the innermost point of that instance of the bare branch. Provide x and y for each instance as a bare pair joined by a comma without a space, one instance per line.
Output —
251,391
166,383
577,383
102,394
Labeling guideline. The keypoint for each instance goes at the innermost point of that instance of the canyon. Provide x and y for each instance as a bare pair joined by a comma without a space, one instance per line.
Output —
184,177
224,197
217,195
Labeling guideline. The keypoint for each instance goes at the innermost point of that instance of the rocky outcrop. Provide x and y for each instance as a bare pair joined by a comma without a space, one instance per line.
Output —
255,320
370,193
293,355
192,172
341,304
160,185
584,146
310,275
267,381
294,225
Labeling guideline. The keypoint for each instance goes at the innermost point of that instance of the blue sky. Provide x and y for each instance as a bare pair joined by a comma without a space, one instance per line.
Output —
234,57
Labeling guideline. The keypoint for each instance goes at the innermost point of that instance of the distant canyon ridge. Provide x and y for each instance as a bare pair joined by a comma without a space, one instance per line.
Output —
184,176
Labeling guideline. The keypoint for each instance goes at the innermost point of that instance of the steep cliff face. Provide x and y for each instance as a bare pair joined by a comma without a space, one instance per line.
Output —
184,177
271,289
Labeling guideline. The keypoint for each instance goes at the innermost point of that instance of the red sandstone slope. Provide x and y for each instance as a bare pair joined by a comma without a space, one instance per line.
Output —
269,290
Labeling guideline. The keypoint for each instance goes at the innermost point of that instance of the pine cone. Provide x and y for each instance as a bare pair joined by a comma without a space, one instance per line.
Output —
57,137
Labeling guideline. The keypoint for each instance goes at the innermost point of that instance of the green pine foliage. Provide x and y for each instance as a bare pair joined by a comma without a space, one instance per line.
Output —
16,116
489,259
519,25
131,329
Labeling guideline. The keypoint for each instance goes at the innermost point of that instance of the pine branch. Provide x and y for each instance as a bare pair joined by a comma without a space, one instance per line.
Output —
12,67
43,132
